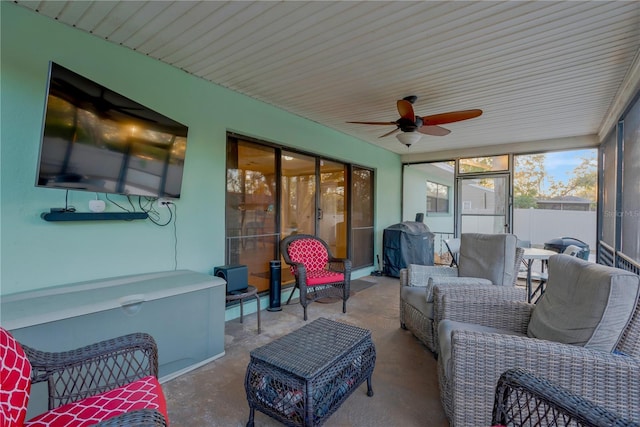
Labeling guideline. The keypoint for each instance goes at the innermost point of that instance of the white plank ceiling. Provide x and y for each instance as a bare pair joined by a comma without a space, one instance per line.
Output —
540,70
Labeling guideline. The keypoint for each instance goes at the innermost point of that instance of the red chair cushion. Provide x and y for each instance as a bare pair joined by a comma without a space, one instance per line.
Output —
309,252
323,277
141,394
15,381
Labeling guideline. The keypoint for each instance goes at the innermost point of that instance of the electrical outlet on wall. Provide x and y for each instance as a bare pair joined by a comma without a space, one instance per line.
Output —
161,202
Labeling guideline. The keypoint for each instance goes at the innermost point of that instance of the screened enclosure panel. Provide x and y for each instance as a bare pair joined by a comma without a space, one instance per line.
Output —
608,209
630,215
484,204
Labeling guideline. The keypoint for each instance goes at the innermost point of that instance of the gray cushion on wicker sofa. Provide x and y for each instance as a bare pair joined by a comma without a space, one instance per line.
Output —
489,256
419,293
415,296
477,358
486,258
590,307
419,281
439,280
444,336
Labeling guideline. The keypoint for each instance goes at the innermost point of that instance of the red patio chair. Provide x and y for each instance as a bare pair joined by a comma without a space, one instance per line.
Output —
318,274
111,383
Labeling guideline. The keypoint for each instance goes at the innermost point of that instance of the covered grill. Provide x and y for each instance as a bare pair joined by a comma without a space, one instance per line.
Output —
406,243
562,243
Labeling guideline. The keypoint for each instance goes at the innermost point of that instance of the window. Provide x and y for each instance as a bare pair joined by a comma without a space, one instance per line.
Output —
437,198
484,164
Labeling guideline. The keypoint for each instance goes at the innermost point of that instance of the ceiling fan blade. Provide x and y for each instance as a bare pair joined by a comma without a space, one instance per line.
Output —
406,110
376,123
453,116
434,130
389,133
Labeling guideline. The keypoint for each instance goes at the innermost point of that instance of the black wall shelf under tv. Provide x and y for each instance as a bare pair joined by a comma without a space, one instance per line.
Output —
93,216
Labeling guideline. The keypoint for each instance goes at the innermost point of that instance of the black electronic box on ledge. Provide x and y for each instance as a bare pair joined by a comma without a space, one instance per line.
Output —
237,277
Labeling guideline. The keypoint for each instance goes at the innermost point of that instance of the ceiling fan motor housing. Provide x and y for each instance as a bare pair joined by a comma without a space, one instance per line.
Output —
407,125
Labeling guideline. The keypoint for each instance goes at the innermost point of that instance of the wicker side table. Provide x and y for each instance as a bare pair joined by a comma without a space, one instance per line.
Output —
302,378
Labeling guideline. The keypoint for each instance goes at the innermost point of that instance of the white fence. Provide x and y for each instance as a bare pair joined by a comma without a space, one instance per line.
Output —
541,225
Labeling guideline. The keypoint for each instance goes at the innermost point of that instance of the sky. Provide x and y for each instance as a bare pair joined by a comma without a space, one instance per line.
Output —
559,165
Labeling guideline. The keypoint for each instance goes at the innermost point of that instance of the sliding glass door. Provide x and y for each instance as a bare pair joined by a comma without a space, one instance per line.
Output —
273,192
250,209
362,224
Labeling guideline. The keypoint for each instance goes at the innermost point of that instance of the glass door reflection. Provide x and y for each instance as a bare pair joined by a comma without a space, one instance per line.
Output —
298,201
332,211
251,218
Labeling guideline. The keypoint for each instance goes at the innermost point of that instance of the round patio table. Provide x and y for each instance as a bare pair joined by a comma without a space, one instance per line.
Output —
531,254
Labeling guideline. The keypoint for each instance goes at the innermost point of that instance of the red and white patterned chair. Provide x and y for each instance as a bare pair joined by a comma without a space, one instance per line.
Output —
318,274
111,383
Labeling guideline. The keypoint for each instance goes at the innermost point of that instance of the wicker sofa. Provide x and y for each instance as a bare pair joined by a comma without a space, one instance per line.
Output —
488,266
524,399
584,335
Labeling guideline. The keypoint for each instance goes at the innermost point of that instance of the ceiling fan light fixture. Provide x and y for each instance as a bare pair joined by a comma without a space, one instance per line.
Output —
409,138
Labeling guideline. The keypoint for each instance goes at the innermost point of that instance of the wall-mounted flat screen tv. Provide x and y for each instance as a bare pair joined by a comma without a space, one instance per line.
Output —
95,139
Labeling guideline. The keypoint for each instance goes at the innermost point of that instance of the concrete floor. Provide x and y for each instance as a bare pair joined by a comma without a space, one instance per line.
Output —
404,380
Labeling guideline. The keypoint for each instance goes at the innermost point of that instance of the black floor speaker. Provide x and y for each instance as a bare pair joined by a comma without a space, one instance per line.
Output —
237,277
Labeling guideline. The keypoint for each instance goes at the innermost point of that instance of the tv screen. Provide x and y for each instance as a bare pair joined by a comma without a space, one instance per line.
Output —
95,139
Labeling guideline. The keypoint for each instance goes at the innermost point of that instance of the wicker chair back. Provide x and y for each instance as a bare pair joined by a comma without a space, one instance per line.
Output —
15,383
525,399
309,252
113,381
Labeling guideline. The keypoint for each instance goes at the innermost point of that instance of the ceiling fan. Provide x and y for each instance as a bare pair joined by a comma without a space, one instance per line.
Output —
412,126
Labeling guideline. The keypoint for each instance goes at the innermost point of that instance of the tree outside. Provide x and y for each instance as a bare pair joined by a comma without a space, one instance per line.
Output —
533,181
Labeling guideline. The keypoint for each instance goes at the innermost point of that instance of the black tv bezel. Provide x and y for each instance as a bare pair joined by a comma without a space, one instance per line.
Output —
163,124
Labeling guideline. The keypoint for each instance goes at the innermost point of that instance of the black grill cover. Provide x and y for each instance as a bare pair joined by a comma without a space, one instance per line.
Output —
406,243
562,243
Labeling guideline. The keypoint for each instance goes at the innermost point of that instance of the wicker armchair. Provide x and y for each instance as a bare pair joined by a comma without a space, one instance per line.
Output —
523,399
423,287
482,338
110,383
318,274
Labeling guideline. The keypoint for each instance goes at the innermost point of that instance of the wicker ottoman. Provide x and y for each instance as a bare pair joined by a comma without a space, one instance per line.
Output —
302,378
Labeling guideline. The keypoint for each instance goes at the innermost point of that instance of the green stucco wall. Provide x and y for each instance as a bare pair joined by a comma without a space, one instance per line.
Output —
36,254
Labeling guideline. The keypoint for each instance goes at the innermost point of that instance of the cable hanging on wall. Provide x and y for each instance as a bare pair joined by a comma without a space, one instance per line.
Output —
149,207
